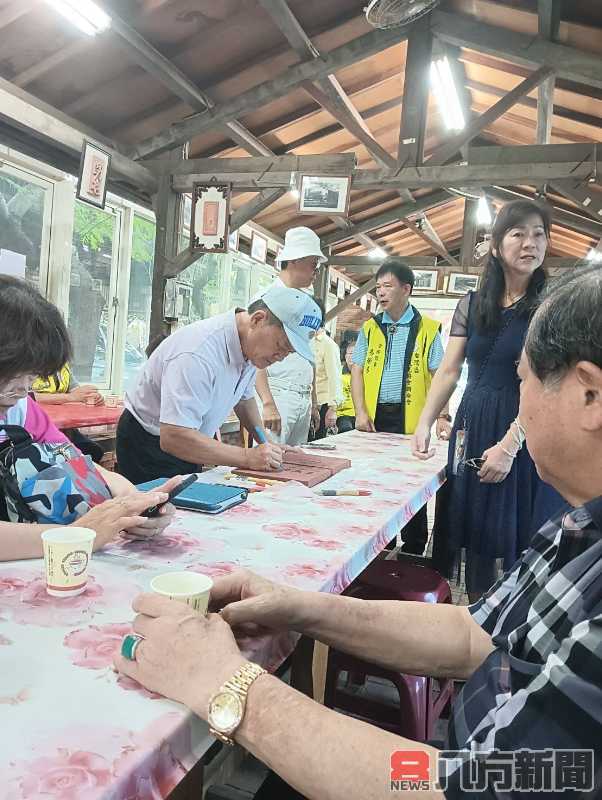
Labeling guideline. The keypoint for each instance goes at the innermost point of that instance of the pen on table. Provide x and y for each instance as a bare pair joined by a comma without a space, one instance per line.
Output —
263,439
344,492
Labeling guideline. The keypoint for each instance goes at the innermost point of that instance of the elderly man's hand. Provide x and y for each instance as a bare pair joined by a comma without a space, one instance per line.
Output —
248,601
184,656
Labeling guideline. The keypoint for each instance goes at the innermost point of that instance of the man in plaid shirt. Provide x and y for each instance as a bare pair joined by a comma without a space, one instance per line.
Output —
529,718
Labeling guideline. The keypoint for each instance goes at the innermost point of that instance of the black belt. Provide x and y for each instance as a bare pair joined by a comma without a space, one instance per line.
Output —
389,408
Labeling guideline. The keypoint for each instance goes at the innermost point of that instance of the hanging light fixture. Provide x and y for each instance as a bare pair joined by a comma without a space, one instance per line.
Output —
484,217
448,100
84,14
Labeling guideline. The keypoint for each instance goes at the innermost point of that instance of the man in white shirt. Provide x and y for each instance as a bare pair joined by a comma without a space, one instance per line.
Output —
285,388
198,375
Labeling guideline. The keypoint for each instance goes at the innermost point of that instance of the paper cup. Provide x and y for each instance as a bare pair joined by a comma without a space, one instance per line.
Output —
187,587
112,401
67,553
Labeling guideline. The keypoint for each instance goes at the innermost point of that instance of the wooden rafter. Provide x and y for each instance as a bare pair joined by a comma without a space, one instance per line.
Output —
452,146
569,62
343,56
416,88
350,299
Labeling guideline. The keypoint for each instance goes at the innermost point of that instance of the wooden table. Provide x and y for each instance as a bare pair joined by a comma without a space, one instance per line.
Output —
80,415
70,723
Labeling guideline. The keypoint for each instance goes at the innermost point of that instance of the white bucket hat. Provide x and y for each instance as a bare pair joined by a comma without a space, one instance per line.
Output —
299,243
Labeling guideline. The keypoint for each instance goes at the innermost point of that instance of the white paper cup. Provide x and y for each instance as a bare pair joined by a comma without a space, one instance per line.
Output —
112,400
67,553
191,588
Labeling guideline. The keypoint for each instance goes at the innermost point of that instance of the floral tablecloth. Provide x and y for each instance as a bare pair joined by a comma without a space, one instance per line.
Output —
71,729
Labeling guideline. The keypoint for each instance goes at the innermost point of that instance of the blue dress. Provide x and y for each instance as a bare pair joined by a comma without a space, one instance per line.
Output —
490,524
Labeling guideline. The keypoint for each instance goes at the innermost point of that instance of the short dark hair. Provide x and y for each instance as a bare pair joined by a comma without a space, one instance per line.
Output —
567,326
398,268
259,305
488,311
33,336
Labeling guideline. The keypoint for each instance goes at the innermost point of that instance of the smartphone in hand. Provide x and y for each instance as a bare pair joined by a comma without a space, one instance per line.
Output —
153,511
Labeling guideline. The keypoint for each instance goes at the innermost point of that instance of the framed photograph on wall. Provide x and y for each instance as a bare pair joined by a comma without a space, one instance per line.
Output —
94,168
259,247
324,195
210,215
461,283
233,240
425,280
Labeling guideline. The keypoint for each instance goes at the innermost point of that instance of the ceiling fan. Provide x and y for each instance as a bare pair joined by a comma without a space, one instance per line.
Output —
393,13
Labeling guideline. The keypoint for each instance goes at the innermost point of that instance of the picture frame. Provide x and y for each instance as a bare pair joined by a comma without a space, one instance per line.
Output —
209,226
328,194
233,239
462,283
94,167
425,280
259,247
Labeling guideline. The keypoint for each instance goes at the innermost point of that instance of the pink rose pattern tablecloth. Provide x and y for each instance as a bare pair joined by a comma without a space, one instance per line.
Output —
71,729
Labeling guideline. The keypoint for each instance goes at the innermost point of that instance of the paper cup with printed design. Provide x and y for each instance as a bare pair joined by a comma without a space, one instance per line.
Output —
191,588
67,554
112,400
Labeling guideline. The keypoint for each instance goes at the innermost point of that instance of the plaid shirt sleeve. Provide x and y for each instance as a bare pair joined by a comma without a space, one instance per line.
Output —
486,610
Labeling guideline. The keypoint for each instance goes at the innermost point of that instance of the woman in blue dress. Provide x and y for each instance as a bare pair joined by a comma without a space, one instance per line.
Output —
494,500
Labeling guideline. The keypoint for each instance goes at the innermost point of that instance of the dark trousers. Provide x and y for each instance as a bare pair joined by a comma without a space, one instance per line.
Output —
415,533
345,424
321,432
139,454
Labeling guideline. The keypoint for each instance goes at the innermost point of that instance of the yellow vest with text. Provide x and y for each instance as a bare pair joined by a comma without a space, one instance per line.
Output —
417,376
54,384
346,409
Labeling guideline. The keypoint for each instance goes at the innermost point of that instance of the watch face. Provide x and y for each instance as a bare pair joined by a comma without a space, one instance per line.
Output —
225,712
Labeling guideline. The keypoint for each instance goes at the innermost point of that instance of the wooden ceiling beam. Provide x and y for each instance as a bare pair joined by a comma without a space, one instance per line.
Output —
15,10
392,215
350,299
580,193
567,219
51,61
423,229
416,89
475,126
156,64
364,264
343,56
25,113
569,62
548,12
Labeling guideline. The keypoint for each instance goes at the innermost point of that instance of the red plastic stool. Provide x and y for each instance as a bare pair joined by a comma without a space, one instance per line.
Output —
421,700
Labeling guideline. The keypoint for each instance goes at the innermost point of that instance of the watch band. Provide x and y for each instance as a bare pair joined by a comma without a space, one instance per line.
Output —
242,679
239,684
445,416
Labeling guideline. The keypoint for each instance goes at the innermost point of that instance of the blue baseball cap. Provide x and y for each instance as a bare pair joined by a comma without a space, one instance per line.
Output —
299,314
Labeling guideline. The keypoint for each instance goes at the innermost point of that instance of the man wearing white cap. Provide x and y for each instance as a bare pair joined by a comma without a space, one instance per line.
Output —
285,388
197,375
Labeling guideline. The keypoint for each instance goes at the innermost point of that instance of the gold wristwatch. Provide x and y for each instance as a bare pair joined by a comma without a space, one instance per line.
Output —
227,706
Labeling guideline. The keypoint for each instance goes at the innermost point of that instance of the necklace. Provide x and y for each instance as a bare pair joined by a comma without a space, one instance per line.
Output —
512,299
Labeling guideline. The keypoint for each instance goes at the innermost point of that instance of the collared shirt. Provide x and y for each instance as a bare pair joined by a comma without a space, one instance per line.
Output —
293,373
194,378
390,385
327,356
541,688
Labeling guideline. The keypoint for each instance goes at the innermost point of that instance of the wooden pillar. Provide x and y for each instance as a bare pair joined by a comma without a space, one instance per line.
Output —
469,232
322,283
167,205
